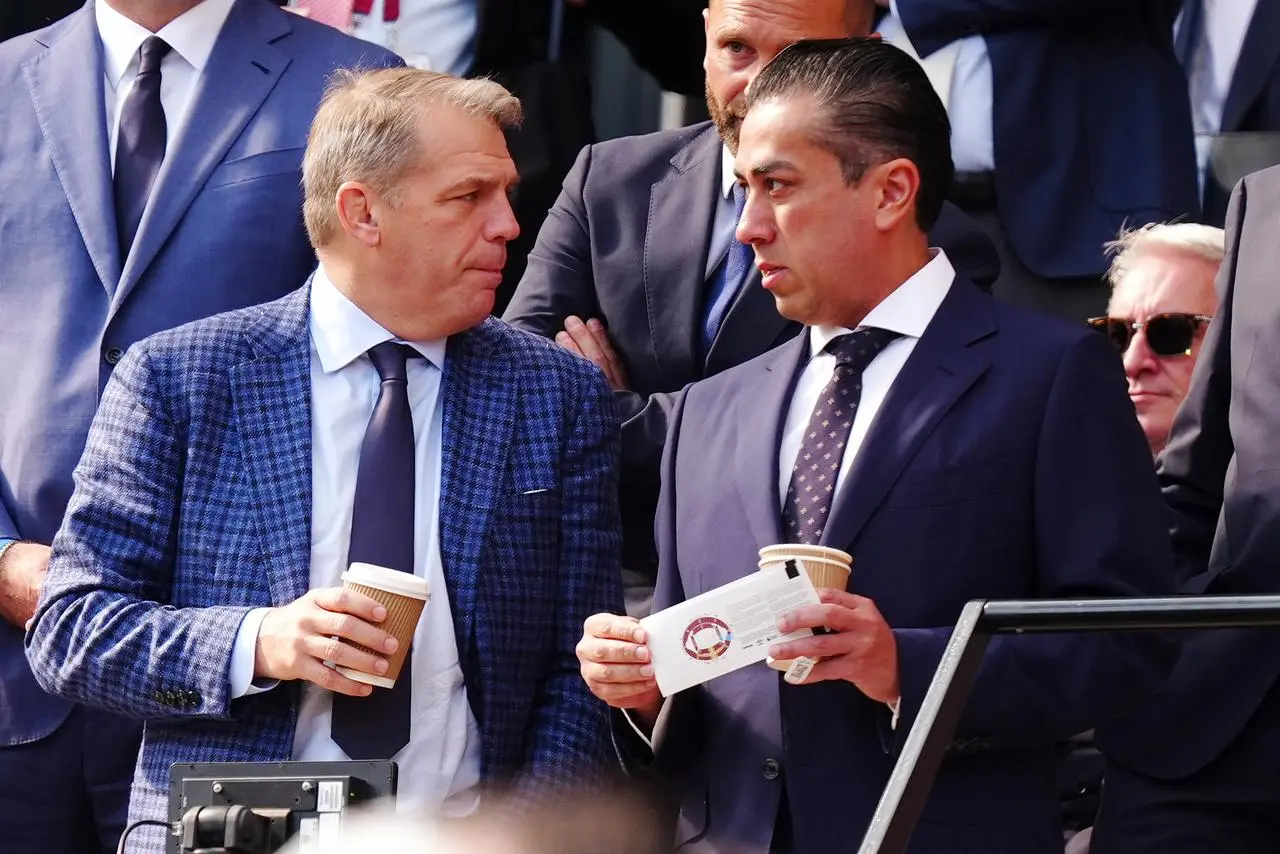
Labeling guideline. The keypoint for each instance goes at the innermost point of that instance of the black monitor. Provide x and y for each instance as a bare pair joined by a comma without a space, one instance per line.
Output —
255,807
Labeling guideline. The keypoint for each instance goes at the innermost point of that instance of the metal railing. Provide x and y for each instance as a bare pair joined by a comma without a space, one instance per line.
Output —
917,766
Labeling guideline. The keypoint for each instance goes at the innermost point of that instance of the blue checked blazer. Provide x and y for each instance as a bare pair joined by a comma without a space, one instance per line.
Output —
192,505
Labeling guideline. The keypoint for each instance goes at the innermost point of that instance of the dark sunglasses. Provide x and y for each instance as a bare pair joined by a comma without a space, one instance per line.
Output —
1169,334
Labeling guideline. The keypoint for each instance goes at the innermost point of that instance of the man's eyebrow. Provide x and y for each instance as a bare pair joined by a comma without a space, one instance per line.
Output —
770,166
481,182
766,168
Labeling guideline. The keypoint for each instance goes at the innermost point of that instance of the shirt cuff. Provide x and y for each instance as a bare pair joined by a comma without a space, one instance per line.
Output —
654,740
242,657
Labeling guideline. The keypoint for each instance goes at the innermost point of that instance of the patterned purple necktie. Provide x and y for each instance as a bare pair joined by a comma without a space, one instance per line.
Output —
813,478
140,143
377,726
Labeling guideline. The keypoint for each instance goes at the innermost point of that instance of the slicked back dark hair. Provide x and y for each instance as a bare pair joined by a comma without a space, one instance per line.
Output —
875,105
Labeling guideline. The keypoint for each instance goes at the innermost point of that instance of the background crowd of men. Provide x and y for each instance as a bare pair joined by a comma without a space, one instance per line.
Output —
251,264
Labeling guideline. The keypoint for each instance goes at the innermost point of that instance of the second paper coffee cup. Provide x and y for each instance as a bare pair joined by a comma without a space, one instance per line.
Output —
825,566
404,596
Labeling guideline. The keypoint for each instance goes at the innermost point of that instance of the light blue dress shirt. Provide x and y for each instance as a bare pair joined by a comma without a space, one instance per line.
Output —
970,110
440,766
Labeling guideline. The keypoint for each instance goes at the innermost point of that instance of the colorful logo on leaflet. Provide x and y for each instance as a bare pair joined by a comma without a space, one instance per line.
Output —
707,638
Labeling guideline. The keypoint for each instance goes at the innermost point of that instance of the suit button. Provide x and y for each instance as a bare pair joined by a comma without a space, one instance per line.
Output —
113,355
771,769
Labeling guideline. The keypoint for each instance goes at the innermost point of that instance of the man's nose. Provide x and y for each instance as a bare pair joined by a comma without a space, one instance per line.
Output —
1139,358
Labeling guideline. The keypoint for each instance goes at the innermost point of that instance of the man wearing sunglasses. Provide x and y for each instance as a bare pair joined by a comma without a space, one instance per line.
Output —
1161,304
1194,771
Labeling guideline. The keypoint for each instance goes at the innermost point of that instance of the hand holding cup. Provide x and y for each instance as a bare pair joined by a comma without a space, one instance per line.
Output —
326,624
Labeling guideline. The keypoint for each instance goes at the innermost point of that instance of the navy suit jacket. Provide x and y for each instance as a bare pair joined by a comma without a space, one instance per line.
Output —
1220,477
1092,125
1005,462
627,242
193,505
223,230
1253,101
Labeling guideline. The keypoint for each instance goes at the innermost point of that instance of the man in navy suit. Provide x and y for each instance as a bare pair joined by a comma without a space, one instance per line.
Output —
149,168
1069,122
637,267
239,464
1231,51
956,446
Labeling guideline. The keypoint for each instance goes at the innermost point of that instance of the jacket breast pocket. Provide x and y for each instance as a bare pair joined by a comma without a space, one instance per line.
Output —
945,487
264,164
526,524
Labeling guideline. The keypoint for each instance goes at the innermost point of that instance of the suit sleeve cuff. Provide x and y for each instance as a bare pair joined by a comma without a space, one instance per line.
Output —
654,740
242,657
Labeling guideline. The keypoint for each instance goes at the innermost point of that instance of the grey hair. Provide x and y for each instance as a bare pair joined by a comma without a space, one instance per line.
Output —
368,128
1201,241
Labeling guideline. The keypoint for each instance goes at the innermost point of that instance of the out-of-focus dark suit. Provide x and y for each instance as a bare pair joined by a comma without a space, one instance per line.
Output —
1252,109
1195,771
664,37
627,242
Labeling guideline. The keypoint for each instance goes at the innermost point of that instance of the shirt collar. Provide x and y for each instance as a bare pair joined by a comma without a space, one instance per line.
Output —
342,333
727,178
191,35
907,311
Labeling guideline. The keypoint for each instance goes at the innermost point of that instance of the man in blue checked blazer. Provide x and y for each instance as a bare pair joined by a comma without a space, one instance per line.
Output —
238,465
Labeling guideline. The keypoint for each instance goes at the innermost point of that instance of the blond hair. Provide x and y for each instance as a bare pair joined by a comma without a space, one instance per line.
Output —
368,129
1201,241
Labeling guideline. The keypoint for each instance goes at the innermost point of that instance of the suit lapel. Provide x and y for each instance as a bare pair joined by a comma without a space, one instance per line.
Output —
751,326
73,120
759,420
1260,52
940,369
242,70
271,412
478,424
681,212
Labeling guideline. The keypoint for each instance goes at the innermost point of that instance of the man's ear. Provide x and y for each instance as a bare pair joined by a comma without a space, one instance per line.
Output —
898,185
357,207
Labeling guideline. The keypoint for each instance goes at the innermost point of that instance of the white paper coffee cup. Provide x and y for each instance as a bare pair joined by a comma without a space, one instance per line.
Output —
404,595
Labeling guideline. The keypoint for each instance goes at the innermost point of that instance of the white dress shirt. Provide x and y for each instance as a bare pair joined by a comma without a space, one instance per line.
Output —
191,35
440,766
968,99
1213,67
439,35
726,219
908,311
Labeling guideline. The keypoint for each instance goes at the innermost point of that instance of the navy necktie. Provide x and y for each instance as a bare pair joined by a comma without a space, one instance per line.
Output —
726,279
377,726
1188,35
140,143
813,478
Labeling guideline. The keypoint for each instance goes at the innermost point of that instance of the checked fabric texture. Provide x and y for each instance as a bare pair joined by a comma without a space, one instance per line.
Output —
813,479
196,479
